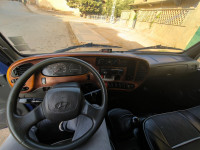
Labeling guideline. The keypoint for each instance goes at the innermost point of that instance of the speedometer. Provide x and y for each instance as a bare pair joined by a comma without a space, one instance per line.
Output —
63,69
57,69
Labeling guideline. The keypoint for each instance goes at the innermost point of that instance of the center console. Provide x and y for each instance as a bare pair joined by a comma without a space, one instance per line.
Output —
116,70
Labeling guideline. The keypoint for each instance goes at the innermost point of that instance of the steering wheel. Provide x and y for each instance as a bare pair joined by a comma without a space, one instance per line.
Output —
62,102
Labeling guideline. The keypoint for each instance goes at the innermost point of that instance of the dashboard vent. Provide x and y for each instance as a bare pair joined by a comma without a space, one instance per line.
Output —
141,71
19,70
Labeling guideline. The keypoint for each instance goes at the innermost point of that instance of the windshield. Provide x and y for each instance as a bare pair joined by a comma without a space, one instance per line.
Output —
48,26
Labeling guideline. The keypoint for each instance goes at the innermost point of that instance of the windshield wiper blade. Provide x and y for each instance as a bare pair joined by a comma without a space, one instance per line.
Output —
155,47
84,45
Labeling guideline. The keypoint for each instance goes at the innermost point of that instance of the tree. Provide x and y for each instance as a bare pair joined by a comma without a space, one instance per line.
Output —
89,7
73,3
100,7
107,8
122,5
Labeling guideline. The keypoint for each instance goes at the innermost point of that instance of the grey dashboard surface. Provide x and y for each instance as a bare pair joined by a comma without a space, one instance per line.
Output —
164,59
171,64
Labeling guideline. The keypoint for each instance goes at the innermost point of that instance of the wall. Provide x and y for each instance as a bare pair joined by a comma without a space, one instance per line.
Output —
143,1
60,5
151,4
127,18
176,2
173,35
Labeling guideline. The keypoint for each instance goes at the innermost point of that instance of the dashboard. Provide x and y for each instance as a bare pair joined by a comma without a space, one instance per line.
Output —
123,72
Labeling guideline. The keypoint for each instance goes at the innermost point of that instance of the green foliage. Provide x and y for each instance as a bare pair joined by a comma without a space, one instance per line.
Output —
122,5
157,16
100,7
73,3
107,7
89,7
135,17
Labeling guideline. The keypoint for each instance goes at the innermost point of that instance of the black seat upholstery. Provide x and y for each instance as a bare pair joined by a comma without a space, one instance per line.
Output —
178,130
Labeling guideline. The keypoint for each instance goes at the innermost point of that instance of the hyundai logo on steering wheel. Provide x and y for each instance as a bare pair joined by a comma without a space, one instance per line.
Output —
62,105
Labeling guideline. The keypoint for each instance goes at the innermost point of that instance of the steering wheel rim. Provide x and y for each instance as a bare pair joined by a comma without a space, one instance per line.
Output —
15,122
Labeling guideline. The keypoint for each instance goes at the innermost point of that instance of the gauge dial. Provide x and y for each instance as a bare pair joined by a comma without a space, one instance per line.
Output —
74,68
63,69
57,69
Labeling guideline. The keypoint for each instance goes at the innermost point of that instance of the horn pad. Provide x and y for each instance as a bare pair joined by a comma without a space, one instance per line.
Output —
62,102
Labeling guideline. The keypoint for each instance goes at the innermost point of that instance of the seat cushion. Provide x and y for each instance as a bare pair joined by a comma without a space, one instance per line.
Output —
178,130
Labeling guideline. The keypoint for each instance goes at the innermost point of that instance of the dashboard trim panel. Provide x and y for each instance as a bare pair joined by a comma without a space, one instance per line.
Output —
35,81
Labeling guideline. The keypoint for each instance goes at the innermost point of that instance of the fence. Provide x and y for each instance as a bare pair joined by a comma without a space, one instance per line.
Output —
98,17
167,16
102,18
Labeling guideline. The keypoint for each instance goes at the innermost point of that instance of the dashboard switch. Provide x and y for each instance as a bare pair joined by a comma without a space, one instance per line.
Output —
25,89
120,85
43,80
13,80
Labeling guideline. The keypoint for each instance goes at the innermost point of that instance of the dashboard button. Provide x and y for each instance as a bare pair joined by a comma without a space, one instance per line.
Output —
43,80
13,80
24,88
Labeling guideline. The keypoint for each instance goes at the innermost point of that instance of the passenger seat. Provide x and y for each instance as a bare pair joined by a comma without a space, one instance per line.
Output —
178,130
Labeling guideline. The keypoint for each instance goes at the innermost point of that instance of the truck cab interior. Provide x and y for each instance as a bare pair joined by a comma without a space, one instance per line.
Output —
150,101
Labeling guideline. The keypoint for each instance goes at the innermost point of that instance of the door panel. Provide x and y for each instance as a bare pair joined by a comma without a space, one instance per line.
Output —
7,56
4,92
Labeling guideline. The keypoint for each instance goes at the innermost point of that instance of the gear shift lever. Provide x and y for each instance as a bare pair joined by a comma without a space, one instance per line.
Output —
122,123
135,121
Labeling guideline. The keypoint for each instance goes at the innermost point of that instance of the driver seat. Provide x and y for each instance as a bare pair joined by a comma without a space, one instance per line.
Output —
179,130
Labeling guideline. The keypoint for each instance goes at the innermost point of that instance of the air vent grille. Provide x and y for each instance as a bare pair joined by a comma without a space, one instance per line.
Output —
19,70
141,71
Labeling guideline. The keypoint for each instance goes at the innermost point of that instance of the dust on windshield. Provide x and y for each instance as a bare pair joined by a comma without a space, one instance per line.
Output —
46,26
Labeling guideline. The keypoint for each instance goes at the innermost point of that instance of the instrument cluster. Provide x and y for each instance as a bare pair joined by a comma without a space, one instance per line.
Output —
63,69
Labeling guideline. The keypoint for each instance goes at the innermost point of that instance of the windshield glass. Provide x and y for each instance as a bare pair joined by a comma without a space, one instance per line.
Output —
47,26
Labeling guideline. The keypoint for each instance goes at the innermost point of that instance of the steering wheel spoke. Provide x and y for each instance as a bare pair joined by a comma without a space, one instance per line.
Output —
91,111
24,123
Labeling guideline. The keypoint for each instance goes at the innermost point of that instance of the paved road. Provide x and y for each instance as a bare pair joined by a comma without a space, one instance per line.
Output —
43,33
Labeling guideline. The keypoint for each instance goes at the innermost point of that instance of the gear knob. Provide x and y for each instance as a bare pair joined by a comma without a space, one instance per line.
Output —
135,121
122,123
